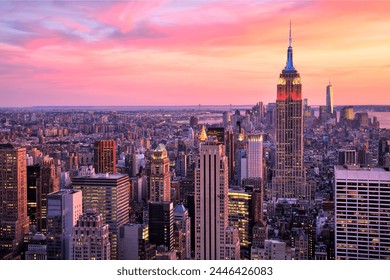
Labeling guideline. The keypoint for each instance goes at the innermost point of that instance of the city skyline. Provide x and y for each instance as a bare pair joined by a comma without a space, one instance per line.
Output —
172,53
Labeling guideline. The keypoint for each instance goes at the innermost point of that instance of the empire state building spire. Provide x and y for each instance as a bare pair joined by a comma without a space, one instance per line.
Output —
289,64
289,177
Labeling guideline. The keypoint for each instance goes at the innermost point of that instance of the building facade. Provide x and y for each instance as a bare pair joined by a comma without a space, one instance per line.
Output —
161,224
182,219
362,213
48,182
14,222
211,201
255,156
109,194
104,156
90,238
63,209
160,177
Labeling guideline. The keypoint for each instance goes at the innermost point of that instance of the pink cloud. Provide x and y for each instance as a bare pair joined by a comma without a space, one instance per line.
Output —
148,51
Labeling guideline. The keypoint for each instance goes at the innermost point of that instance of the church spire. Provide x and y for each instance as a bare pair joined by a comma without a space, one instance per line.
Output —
289,64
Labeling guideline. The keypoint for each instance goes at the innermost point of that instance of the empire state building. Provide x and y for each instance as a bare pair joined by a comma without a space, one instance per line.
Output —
289,176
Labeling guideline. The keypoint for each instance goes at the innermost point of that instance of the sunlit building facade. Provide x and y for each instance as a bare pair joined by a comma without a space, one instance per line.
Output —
160,177
109,194
211,201
104,156
14,221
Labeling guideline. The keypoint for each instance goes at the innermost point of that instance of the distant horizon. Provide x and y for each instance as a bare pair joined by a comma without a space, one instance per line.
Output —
183,106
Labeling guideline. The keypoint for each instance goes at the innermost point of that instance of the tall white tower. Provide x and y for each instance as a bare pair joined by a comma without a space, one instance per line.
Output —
255,156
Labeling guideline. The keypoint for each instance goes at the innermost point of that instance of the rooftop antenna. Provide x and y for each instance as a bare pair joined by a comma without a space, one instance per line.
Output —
289,37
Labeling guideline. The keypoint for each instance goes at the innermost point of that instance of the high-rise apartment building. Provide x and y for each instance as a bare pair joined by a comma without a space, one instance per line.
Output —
211,201
90,238
160,177
14,221
104,156
109,194
63,209
289,175
362,213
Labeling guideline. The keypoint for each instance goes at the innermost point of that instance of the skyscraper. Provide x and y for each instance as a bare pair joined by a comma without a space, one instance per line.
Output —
13,200
255,156
329,98
160,177
289,176
33,173
181,164
211,201
241,217
362,211
183,222
104,157
230,151
109,194
47,182
161,224
63,209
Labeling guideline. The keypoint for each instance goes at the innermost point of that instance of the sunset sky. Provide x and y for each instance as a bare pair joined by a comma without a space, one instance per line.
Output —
189,52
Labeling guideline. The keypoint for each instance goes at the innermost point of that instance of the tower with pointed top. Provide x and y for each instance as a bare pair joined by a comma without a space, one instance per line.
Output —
329,98
289,176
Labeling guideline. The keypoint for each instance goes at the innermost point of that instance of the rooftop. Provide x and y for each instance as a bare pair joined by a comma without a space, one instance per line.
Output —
103,176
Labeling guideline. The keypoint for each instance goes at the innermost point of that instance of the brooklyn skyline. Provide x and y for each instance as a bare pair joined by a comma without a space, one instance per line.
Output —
58,53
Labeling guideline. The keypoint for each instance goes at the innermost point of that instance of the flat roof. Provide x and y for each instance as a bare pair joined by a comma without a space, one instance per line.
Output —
103,176
361,173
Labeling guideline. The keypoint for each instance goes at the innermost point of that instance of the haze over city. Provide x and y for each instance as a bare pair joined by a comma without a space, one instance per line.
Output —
190,52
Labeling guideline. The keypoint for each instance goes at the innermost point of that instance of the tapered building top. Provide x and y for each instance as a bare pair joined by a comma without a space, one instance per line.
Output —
289,63
289,84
